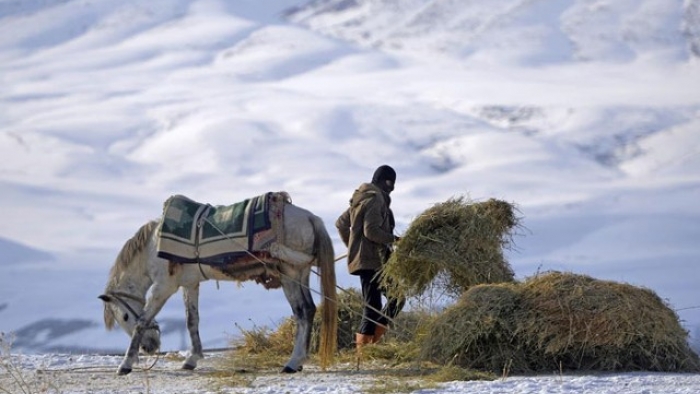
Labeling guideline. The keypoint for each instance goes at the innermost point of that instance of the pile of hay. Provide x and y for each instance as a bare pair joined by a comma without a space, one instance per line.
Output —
479,331
561,321
452,246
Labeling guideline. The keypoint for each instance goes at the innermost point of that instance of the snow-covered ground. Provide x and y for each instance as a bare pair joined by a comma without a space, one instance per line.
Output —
584,114
96,375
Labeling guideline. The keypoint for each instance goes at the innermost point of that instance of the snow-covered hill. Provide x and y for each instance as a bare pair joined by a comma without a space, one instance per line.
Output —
584,113
527,32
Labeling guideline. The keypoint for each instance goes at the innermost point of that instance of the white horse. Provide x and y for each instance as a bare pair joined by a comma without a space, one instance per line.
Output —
137,270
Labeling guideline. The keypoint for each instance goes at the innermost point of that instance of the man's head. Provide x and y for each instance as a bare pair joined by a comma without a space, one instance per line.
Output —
384,177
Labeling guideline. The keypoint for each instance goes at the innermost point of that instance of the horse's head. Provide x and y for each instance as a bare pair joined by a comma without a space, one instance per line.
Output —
126,309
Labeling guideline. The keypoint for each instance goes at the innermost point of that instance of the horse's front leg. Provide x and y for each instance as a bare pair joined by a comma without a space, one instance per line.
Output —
191,297
159,295
296,289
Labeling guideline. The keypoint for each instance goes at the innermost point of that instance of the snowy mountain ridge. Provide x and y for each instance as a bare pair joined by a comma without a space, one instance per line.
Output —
528,32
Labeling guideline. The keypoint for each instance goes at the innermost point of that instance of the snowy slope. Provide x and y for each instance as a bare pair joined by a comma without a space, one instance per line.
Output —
528,32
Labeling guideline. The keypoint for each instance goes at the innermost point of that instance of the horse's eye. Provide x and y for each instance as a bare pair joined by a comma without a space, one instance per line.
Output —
126,317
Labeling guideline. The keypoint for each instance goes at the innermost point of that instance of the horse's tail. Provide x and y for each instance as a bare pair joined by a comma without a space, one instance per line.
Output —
325,259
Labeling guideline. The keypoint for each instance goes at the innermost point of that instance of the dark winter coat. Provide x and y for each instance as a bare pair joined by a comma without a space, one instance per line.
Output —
367,228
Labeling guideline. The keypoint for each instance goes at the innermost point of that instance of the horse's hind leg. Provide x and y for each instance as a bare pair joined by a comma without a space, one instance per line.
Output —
191,297
296,289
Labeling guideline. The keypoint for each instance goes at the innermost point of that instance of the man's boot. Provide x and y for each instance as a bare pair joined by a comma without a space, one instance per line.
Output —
378,333
360,341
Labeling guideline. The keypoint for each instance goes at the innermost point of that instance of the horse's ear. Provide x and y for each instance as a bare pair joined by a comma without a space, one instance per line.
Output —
105,298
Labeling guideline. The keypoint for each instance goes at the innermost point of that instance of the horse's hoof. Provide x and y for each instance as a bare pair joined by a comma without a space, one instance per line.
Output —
188,367
124,371
286,369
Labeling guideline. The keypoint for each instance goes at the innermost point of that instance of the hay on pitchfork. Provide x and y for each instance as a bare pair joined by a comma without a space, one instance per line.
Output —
561,321
452,246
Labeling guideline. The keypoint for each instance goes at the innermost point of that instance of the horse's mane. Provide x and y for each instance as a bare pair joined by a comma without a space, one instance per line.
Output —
125,256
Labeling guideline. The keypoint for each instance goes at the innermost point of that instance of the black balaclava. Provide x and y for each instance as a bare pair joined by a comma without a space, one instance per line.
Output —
383,174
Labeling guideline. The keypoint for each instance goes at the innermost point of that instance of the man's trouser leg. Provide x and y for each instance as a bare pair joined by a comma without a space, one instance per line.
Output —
372,303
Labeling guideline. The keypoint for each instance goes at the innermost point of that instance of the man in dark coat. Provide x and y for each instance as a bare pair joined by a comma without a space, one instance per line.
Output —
367,229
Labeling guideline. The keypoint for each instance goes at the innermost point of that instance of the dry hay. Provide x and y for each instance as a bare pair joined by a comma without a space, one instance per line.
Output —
265,346
561,321
603,325
403,329
452,246
262,347
479,331
349,304
264,340
280,340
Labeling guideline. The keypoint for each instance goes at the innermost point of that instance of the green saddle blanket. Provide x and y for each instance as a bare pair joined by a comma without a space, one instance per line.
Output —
193,232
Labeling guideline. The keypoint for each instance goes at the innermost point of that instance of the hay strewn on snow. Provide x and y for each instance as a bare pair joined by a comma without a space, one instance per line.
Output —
560,320
452,246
